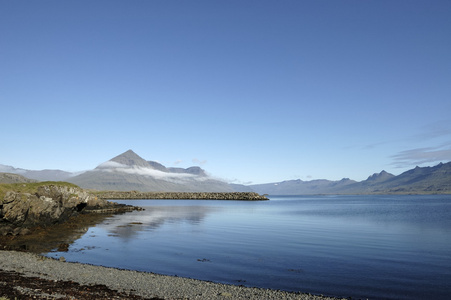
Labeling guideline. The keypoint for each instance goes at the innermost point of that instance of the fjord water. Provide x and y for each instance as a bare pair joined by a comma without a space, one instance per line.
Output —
376,247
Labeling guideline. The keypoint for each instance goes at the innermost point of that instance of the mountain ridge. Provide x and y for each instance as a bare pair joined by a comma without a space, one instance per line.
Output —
39,175
436,179
14,178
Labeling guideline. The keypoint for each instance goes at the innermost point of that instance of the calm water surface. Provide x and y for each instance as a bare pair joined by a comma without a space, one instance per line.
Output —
376,247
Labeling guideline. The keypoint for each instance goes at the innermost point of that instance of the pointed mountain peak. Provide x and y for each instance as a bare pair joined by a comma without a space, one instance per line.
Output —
130,158
380,176
384,173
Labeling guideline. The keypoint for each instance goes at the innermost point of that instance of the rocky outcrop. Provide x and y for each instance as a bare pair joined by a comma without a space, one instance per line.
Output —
246,196
50,204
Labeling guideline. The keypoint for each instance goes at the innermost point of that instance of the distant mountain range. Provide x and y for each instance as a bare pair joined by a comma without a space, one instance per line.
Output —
128,171
41,175
435,179
14,178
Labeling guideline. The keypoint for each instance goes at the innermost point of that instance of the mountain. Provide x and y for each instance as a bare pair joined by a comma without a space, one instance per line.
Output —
380,177
299,187
427,179
131,159
14,178
128,171
41,175
435,179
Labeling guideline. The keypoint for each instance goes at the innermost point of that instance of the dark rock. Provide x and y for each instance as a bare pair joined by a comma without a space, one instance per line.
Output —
51,204
24,231
64,247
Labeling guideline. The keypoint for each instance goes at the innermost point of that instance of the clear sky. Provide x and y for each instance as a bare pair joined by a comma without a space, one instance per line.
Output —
251,91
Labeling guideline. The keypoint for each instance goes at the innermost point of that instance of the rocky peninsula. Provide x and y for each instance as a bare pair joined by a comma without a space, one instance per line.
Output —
28,205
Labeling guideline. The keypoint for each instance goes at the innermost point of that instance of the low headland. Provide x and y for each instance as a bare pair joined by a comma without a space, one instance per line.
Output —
25,206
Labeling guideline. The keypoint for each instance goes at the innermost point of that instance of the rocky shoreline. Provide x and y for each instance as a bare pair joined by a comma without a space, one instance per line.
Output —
27,206
240,196
96,282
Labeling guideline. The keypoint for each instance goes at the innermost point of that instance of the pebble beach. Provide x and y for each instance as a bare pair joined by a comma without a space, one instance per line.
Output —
126,282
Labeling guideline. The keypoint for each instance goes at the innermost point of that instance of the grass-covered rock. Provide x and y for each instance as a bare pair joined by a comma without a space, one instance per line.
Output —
25,205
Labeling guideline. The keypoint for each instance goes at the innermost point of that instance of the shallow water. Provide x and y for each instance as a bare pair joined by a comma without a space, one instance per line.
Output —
393,247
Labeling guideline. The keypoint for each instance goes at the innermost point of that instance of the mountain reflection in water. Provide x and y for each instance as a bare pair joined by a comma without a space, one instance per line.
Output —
128,225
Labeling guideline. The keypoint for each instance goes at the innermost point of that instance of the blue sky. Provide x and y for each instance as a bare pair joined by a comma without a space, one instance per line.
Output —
251,91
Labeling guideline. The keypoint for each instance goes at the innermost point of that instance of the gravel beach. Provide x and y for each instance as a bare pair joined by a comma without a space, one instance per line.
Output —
122,284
